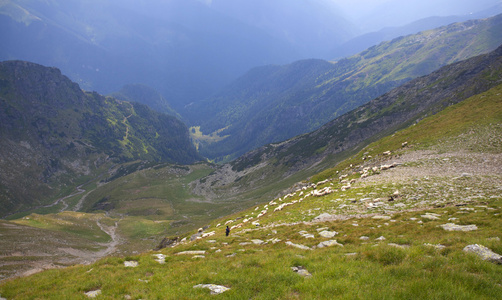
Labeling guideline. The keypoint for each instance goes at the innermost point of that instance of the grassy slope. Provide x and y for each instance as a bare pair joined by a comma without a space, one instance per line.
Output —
464,135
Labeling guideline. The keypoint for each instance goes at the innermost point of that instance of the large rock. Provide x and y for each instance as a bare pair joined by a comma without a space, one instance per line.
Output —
329,244
484,253
215,289
328,234
455,227
195,252
298,246
93,294
301,271
131,264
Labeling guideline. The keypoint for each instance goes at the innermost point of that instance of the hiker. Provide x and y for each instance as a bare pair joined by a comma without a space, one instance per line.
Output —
227,231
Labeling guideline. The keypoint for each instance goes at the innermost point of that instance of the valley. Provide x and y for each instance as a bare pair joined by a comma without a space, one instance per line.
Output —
401,210
375,175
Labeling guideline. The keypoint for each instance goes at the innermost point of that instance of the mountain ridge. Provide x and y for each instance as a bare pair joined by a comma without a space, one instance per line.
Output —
333,90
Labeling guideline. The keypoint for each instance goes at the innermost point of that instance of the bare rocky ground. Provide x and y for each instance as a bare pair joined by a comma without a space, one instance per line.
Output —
26,250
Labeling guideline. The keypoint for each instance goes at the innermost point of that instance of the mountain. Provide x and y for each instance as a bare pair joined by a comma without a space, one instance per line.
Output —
146,95
364,41
273,103
53,134
395,13
183,49
186,49
310,153
426,227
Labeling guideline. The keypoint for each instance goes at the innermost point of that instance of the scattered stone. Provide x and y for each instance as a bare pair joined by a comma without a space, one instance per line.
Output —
274,240
322,229
306,235
364,238
494,239
323,218
160,258
199,252
1,298
485,253
328,234
198,256
232,255
455,227
431,216
215,289
301,271
381,238
298,246
244,243
328,244
381,217
131,264
258,242
93,294
437,246
399,246
350,254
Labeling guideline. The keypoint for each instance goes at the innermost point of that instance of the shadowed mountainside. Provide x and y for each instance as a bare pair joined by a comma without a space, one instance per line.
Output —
53,133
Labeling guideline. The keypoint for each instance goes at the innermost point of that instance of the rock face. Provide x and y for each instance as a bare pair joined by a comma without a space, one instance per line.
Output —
215,289
167,242
484,253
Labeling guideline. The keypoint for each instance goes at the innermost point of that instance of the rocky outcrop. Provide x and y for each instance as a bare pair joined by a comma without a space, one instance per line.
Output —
484,253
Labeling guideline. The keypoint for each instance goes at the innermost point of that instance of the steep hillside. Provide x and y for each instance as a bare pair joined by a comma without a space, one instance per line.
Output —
307,154
53,134
274,103
421,222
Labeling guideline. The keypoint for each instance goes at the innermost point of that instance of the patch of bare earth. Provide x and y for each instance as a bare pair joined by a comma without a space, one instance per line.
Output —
27,250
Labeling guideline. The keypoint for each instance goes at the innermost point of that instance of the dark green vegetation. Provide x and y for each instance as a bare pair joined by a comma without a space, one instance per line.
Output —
387,248
54,136
274,103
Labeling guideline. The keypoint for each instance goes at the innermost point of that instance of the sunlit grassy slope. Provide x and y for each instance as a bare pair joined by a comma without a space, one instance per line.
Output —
448,171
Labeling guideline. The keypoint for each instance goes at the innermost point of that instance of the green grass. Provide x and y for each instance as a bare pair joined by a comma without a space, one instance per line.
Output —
263,272
402,266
